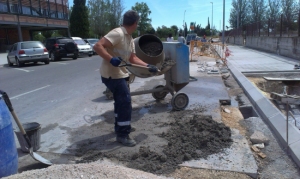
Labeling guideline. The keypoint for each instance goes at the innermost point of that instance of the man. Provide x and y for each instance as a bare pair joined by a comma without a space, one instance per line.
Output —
114,47
181,38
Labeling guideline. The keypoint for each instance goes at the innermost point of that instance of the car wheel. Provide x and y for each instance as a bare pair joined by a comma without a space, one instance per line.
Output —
75,57
19,64
9,63
52,57
47,62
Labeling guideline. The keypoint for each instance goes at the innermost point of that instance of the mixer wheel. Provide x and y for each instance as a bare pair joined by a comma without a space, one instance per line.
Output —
179,101
159,95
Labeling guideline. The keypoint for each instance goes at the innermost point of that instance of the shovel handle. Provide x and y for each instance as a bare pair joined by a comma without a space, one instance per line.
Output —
6,100
140,66
11,109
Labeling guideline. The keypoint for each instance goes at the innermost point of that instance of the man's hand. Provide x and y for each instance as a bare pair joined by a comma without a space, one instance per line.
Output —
152,68
115,61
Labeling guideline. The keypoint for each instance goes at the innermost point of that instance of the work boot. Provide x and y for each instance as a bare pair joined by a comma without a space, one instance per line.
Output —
131,130
127,141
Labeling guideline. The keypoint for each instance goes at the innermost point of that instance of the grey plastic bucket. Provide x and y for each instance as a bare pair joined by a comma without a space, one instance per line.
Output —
33,131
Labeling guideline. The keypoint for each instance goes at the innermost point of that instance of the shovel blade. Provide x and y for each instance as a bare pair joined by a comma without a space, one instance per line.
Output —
39,158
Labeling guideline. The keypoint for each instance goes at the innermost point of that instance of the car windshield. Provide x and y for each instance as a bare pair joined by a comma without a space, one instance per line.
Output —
64,41
80,42
93,41
27,45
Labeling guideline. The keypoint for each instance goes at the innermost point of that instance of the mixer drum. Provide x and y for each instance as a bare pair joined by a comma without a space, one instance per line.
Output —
149,49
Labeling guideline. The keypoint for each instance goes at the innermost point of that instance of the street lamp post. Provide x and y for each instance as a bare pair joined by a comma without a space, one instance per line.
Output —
223,33
183,22
212,17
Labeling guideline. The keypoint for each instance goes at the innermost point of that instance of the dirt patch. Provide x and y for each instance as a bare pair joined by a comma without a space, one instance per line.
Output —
152,48
233,119
189,137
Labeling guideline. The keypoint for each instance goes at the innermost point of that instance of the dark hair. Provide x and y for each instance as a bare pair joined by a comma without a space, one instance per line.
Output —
180,34
170,35
130,17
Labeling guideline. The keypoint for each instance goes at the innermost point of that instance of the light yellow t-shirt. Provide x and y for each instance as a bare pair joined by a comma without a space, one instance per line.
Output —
123,46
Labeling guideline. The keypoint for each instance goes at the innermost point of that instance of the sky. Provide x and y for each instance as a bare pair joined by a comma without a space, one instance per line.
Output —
175,12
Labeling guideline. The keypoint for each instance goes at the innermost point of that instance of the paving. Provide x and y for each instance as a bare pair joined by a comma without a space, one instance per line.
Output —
238,158
244,60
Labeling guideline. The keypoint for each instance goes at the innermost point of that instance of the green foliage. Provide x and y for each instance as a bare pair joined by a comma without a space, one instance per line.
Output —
144,11
164,31
37,36
175,30
79,23
47,33
104,16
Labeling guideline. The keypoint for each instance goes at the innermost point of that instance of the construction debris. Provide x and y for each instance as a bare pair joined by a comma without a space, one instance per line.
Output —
258,137
255,149
262,155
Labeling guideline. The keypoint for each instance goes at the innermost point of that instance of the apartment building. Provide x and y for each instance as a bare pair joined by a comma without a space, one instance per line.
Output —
20,18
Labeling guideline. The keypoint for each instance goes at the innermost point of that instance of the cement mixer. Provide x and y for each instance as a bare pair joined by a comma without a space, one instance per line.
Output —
172,59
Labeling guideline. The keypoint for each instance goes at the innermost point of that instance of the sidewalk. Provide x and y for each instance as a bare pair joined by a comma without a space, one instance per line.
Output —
244,60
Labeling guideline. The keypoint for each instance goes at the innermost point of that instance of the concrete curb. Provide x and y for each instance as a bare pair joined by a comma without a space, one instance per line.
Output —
271,115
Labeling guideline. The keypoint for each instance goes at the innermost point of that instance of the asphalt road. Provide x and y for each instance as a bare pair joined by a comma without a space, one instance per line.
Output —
36,89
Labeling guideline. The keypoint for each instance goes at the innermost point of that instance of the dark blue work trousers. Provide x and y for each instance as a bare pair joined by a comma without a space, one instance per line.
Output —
122,105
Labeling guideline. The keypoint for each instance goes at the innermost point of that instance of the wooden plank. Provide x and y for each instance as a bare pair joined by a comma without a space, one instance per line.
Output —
262,155
255,149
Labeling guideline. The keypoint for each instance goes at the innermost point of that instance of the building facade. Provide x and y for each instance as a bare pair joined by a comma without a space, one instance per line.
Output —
20,18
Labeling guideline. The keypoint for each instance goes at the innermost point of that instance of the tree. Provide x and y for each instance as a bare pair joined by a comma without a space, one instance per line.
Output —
257,10
99,12
47,33
208,25
144,11
239,13
185,29
164,31
289,12
115,13
79,19
273,12
175,29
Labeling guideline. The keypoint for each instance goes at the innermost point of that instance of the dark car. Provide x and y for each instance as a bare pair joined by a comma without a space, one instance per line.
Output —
61,47
27,51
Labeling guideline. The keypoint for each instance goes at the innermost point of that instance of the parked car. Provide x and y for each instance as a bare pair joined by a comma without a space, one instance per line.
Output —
91,42
190,37
27,51
61,47
83,47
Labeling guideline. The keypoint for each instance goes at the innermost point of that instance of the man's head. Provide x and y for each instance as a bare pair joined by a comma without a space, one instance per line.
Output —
130,18
180,34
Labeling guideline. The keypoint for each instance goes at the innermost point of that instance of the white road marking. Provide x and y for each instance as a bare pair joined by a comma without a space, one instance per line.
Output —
29,92
23,69
97,70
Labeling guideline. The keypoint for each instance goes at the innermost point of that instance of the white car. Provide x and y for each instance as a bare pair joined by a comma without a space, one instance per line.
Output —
83,47
27,51
91,42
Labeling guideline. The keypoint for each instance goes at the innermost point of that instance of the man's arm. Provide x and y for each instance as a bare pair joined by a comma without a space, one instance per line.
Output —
135,60
100,46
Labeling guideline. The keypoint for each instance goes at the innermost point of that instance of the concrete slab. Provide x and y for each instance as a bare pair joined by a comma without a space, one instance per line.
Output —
248,60
237,158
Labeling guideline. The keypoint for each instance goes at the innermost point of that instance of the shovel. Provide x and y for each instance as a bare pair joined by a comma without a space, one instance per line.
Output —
35,156
133,65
